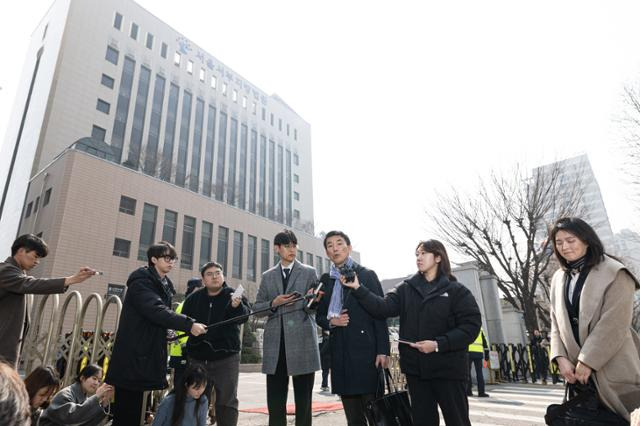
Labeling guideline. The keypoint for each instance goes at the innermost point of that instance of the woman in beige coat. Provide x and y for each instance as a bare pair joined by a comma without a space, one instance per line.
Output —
591,310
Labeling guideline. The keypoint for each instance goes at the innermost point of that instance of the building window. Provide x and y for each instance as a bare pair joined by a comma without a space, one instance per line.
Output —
264,255
188,241
117,21
121,248
280,124
170,226
112,55
244,102
36,204
122,108
287,129
319,265
327,265
205,242
310,259
127,205
202,75
296,214
139,113
47,197
29,208
213,81
223,246
296,178
103,106
147,230
236,272
296,159
296,196
264,114
295,134
163,50
98,133
271,119
176,59
190,66
254,108
234,95
252,254
134,31
149,42
224,89
107,81
300,256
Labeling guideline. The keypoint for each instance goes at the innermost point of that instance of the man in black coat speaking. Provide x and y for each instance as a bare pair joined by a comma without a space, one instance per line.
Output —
359,342
139,359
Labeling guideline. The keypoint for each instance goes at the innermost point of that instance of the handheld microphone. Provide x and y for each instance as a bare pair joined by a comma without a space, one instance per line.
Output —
314,294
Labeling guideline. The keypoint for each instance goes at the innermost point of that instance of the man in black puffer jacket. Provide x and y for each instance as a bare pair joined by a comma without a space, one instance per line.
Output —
218,351
139,359
439,319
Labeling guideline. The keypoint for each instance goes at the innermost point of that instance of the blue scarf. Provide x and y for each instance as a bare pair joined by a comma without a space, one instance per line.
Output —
335,305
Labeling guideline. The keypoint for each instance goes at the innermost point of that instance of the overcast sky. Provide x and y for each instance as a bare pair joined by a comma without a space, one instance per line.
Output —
408,97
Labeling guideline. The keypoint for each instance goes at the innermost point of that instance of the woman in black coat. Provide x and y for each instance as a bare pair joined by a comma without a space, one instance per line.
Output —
139,359
439,319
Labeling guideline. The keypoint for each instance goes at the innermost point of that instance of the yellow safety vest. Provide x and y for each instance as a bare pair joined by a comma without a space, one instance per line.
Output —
176,347
477,345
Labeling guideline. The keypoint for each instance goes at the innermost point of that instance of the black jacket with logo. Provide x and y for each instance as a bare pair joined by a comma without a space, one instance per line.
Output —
218,342
443,310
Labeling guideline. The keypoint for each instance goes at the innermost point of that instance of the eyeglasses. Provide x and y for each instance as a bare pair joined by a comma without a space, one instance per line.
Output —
169,258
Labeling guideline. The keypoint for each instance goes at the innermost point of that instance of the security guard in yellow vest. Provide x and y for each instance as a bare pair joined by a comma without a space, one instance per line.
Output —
177,358
478,351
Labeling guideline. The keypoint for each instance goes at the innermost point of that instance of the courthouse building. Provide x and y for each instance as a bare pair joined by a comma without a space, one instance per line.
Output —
125,132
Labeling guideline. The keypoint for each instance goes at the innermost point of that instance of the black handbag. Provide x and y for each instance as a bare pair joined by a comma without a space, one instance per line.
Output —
581,407
391,408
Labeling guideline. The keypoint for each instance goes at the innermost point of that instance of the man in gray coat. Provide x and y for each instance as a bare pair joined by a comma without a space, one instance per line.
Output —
26,252
290,343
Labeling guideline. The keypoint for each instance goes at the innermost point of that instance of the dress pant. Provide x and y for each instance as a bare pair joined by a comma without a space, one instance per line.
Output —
127,407
222,387
277,391
427,395
475,360
354,408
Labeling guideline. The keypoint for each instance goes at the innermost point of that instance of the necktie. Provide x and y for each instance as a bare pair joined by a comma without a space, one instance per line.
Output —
286,271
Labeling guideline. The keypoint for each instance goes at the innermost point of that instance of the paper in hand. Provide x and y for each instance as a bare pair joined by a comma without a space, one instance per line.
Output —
238,293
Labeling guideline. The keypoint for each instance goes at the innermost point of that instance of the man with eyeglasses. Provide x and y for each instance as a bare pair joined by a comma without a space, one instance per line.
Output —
218,350
290,343
139,359
26,252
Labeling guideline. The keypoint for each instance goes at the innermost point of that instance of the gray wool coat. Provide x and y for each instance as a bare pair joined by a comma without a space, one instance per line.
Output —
298,323
14,284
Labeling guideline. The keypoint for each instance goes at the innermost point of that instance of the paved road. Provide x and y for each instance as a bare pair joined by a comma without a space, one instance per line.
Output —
509,404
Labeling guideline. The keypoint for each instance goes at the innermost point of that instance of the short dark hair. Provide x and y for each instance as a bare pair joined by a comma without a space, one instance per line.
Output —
160,249
41,377
585,233
89,370
436,248
210,265
285,237
30,242
330,234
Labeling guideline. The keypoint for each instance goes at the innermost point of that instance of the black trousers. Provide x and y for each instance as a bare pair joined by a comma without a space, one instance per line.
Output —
476,361
325,377
427,395
127,407
278,389
354,408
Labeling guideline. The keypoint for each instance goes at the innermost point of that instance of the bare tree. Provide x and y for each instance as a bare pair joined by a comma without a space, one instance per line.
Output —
503,227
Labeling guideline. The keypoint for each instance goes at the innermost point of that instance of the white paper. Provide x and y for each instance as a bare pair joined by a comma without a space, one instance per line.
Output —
238,293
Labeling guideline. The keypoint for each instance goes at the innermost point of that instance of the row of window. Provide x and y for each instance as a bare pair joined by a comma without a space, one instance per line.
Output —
155,157
32,206
134,30
122,247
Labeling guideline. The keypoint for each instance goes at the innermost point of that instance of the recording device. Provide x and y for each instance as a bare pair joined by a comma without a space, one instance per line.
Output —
312,296
98,273
296,294
348,273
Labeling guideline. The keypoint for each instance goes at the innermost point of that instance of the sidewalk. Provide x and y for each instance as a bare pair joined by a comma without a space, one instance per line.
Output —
252,394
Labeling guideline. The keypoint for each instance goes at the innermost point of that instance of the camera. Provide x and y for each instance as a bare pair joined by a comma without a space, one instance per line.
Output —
348,273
